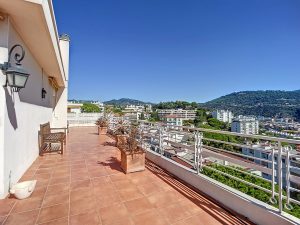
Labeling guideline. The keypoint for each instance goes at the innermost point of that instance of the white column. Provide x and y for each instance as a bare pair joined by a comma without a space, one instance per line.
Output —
3,58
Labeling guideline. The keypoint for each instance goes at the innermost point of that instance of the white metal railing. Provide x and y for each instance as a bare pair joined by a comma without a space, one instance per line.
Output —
281,167
83,119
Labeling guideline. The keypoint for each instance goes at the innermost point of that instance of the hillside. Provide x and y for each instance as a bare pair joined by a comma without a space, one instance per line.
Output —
125,101
264,103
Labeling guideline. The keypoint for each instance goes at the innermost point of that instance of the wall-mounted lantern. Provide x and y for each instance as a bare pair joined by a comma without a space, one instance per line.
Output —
16,76
44,92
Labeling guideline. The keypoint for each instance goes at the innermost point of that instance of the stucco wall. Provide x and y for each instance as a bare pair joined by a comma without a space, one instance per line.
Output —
60,111
22,112
3,58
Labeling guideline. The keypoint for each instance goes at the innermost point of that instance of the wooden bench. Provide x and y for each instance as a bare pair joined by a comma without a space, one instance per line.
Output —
51,139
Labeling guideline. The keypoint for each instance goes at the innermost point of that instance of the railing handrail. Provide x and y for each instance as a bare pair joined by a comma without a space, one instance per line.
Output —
254,136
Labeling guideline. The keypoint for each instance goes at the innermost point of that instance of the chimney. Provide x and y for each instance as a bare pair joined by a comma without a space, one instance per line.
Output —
64,43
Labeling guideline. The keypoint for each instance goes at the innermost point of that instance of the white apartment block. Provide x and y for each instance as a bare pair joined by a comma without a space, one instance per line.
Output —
225,116
74,107
181,113
173,120
138,108
99,104
135,108
245,125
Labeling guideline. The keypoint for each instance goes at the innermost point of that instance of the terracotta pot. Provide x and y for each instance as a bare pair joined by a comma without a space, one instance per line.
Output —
132,162
121,139
102,130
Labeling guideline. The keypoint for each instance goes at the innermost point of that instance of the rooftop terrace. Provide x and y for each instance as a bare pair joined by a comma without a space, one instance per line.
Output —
86,186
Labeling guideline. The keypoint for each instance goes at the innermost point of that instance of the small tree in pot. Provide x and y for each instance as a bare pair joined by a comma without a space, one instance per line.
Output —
132,155
121,133
102,124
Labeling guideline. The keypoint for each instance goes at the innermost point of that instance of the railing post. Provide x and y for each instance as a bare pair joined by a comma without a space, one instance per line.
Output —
141,137
161,141
200,137
279,176
195,149
287,164
198,154
273,199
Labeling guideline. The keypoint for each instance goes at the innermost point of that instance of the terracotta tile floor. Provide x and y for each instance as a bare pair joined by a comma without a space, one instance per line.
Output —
86,186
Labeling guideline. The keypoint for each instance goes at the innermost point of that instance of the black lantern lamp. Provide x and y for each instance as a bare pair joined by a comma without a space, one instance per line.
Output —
16,76
44,92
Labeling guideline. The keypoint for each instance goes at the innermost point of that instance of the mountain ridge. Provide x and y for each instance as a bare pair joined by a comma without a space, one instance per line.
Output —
267,103
126,101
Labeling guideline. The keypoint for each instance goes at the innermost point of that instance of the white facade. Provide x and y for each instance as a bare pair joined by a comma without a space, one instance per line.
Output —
74,107
182,113
223,115
173,120
21,113
134,112
135,108
245,125
100,105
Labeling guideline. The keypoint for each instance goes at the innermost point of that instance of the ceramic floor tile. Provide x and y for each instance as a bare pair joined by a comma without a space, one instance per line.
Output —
6,205
27,204
53,212
62,221
139,205
150,217
87,218
113,214
59,198
25,218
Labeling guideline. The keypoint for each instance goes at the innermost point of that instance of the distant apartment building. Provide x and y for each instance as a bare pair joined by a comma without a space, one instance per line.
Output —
134,108
225,116
134,112
245,125
264,152
99,104
74,107
173,120
180,113
138,108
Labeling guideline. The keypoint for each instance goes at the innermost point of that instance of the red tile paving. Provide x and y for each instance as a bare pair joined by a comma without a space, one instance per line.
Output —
86,186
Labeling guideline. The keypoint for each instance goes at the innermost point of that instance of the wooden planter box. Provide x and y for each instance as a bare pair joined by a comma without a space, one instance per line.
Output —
121,138
132,162
102,130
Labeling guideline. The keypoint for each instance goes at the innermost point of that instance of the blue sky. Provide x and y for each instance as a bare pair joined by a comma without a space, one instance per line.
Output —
161,50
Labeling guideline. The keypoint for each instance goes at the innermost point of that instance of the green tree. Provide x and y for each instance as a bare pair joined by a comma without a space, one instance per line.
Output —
90,108
219,125
154,117
188,122
142,117
201,117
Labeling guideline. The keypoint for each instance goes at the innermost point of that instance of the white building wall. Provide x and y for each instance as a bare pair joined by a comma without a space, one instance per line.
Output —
3,58
223,115
21,113
60,112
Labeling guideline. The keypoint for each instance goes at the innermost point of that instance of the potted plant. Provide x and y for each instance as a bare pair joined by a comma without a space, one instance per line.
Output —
102,124
132,155
121,133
